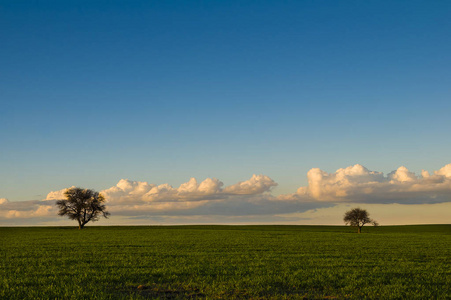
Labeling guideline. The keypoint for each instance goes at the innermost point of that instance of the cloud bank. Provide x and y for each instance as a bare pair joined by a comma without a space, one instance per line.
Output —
209,201
358,184
134,192
34,209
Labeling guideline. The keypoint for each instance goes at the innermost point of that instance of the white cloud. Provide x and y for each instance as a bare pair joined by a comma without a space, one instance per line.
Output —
445,171
134,192
358,184
402,174
257,184
3,201
57,195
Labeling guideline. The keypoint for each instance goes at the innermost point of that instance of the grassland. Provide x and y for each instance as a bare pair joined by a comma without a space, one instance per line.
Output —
228,262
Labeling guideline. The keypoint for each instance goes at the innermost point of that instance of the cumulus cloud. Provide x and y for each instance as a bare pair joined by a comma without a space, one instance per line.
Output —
135,192
445,171
3,201
358,184
57,195
257,184
402,174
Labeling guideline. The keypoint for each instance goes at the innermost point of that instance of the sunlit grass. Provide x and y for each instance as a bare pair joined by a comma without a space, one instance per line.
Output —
255,262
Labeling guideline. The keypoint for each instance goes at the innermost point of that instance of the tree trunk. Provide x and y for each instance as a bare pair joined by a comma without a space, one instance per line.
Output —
80,225
359,229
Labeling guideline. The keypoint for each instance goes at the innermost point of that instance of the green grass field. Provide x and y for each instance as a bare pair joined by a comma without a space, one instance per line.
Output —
228,262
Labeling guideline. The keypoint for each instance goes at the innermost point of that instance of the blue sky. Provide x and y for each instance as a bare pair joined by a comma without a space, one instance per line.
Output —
161,91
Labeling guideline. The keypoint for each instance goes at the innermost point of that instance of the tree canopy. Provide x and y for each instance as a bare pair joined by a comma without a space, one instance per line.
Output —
83,205
358,217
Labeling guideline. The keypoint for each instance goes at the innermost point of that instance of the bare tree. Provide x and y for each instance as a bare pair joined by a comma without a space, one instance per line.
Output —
358,217
83,205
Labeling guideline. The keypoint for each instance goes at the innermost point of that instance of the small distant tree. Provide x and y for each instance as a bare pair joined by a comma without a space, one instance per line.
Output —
83,205
358,217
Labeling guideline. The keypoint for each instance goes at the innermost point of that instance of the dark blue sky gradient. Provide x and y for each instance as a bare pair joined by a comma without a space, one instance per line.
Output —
160,91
